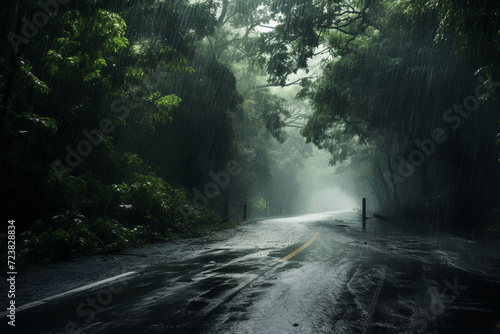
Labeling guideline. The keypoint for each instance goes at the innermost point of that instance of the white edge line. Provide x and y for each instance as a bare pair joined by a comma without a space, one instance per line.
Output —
83,288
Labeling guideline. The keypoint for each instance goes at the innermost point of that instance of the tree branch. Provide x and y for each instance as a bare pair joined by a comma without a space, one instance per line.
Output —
222,16
267,27
279,85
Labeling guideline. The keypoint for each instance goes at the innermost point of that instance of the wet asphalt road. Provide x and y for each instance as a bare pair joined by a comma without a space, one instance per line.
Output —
317,273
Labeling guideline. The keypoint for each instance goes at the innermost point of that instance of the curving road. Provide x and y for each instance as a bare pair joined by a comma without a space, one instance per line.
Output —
316,273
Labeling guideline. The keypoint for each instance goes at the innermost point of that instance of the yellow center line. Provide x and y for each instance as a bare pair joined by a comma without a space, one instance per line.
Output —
304,246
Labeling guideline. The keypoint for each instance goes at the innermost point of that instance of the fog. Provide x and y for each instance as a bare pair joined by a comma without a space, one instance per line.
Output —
331,199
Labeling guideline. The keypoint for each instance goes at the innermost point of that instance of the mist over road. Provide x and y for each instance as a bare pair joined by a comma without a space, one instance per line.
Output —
317,273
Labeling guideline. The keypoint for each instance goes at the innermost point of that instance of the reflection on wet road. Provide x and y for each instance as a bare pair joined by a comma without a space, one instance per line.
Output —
309,274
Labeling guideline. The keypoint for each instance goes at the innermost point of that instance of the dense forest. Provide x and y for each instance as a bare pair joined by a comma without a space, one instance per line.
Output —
124,122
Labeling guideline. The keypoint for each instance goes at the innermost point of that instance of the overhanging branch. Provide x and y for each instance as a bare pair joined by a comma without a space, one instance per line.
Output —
279,85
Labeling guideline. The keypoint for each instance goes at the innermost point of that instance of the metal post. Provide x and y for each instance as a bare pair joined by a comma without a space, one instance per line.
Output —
245,211
364,214
226,208
364,208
